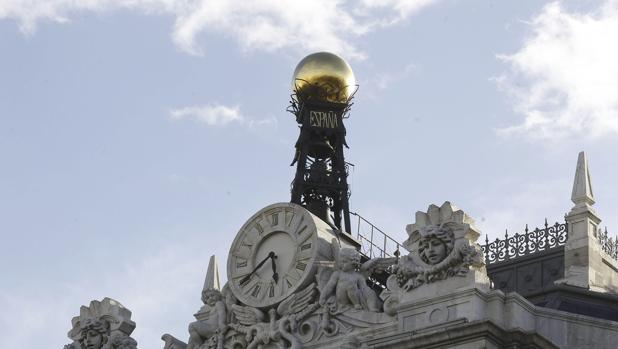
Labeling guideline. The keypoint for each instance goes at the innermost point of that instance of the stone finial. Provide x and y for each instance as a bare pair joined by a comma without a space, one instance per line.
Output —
585,264
582,195
212,281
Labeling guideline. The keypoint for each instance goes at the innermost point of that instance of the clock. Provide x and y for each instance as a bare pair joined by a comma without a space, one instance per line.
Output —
276,253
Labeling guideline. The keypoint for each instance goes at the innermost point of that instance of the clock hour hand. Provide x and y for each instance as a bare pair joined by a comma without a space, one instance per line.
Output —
274,265
246,278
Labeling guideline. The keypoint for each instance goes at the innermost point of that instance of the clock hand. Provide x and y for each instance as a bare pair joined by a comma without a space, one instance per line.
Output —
246,278
274,265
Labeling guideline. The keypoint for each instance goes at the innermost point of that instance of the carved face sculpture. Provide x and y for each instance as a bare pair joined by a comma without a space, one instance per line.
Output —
95,333
94,339
349,259
211,297
435,244
435,250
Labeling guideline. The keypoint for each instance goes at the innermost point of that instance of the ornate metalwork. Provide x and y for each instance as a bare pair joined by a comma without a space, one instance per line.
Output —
296,102
531,241
374,242
608,244
320,183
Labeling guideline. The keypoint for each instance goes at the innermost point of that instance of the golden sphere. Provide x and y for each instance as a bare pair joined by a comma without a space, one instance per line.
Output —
323,76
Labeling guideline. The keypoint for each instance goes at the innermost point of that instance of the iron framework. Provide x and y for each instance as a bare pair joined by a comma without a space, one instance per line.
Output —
609,245
530,242
320,183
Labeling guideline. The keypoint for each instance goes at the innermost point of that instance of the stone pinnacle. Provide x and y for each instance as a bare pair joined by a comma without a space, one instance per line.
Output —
212,281
582,194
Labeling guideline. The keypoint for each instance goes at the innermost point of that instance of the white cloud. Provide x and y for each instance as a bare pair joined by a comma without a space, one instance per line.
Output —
256,24
272,24
220,115
564,79
212,114
386,79
403,8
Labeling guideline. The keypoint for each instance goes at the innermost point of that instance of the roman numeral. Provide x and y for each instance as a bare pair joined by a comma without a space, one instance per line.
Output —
242,251
292,278
255,291
240,264
275,219
271,291
288,216
245,281
305,247
300,227
301,230
259,228
301,266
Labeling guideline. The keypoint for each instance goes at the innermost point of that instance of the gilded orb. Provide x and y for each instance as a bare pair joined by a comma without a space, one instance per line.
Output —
323,76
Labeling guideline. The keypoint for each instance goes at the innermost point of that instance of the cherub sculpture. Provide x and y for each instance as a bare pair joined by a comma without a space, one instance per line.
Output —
212,318
347,285
213,323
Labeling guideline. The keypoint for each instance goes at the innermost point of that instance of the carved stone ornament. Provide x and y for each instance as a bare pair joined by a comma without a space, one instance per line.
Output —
345,287
209,329
102,325
292,283
442,246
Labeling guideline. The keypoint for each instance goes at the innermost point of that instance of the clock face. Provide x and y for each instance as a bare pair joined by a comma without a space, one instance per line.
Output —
272,255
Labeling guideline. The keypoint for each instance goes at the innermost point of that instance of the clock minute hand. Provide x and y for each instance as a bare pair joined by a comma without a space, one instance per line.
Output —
246,278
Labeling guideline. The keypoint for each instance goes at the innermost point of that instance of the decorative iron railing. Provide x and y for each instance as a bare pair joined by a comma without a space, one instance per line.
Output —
519,245
375,242
609,244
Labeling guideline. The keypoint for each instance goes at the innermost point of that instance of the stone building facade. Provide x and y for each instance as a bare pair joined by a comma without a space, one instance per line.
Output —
294,282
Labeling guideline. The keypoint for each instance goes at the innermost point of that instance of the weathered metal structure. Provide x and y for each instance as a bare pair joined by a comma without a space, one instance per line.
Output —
321,100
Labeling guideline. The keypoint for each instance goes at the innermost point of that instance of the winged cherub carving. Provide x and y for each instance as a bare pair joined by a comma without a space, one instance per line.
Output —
347,285
214,323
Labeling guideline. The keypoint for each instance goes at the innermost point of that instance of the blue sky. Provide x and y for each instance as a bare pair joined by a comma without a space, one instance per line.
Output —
136,137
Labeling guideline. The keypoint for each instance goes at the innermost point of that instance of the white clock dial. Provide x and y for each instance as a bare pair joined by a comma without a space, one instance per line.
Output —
274,254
